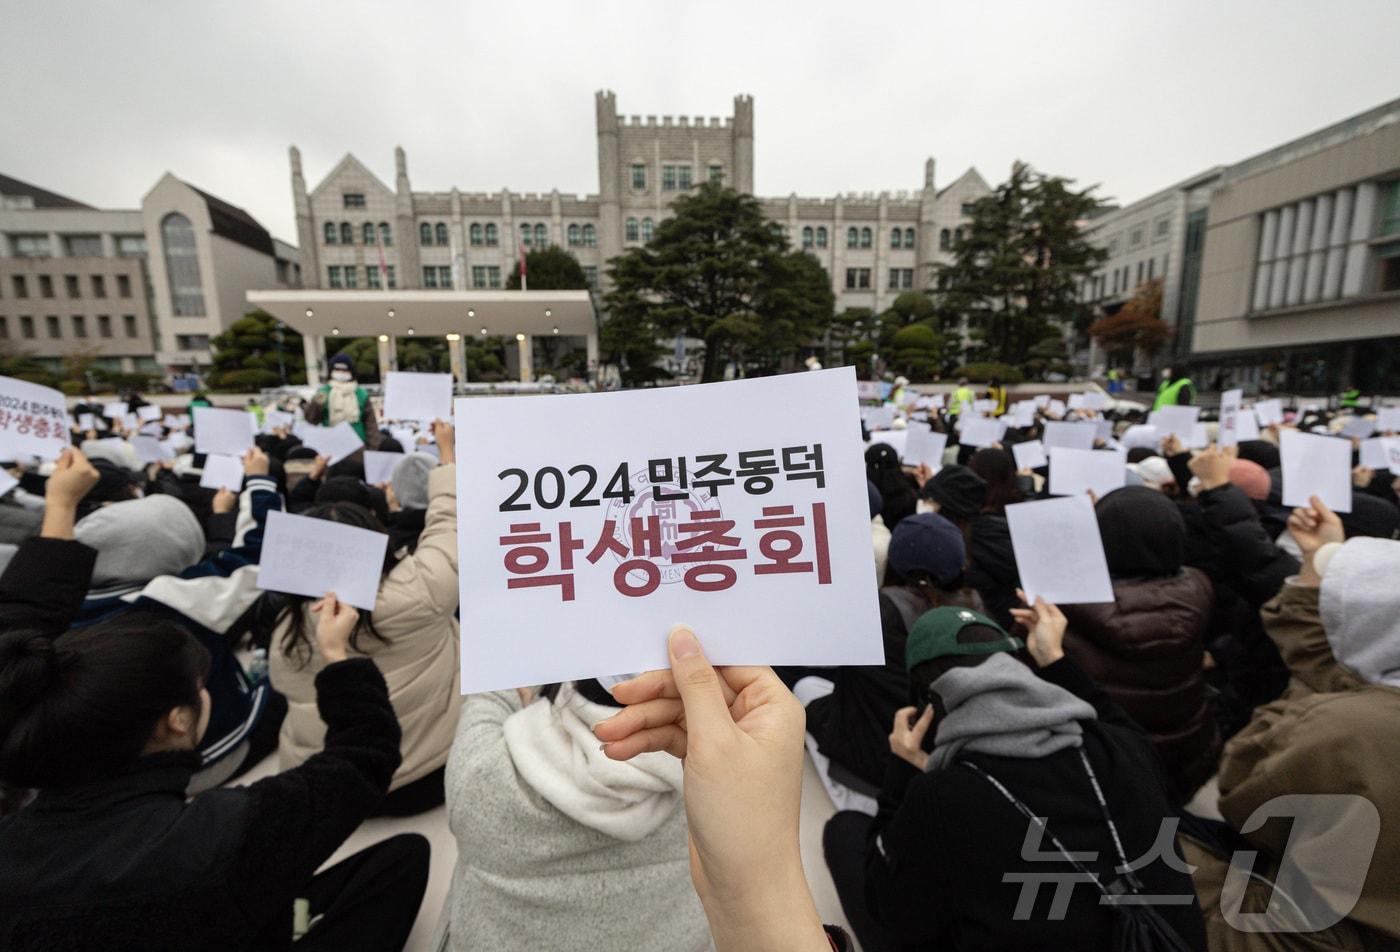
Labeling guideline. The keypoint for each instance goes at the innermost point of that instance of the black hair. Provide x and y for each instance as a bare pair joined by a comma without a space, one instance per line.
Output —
340,488
590,689
82,706
997,467
1139,453
298,643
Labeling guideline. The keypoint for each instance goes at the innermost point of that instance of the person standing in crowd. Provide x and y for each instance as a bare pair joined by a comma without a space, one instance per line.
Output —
1146,648
897,489
963,395
411,635
1008,745
342,400
997,394
103,722
1175,390
556,838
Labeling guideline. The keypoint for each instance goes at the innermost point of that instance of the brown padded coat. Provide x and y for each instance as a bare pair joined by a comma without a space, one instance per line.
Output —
1146,649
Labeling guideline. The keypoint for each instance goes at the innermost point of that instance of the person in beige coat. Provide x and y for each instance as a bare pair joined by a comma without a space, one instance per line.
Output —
412,636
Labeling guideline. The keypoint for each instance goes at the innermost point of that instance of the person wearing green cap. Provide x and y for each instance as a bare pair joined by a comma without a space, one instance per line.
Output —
945,863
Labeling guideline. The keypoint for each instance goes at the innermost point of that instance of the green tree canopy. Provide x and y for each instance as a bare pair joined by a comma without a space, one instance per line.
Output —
549,269
915,352
246,354
718,271
1017,267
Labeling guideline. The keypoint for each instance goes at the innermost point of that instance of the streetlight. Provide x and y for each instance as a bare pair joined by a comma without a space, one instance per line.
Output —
454,337
410,332
391,313
383,338
335,332
520,338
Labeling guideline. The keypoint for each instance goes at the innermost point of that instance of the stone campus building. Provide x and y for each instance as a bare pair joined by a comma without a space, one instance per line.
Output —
873,246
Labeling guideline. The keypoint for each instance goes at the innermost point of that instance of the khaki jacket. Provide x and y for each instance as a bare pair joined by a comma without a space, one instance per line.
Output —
419,657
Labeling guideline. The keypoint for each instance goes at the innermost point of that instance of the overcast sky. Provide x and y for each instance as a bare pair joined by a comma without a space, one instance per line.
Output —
97,99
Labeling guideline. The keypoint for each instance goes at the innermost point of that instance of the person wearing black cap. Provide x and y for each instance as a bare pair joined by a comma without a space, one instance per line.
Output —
897,489
1007,743
849,725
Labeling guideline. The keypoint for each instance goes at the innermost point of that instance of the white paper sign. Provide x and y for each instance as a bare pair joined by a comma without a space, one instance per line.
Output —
1358,427
1388,419
1199,438
87,421
273,419
222,472
335,443
924,447
576,617
421,397
1059,552
878,418
1315,466
150,450
1078,436
33,420
1055,408
1375,454
984,406
224,432
380,466
306,556
1095,400
148,412
1178,421
1075,472
1247,425
1230,402
1029,455
114,411
1269,412
894,438
979,431
7,482
1023,413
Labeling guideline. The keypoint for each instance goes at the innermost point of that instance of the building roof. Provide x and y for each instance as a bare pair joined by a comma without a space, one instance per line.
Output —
236,225
42,197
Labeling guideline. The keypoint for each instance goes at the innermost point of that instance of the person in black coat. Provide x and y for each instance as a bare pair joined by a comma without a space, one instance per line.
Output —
103,722
944,865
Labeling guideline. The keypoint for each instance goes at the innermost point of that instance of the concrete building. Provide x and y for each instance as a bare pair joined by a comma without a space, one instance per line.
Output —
356,231
138,290
1281,271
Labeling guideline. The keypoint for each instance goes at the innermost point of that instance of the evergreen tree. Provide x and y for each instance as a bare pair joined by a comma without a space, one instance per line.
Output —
1016,270
246,355
549,269
717,271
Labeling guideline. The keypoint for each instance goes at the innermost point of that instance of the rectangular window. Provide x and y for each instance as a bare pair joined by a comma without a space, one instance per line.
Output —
124,285
716,174
372,277
865,277
850,279
444,276
590,274
1163,227
894,279
79,325
639,178
46,285
352,279
668,178
191,341
1139,274
429,276
129,324
908,278
354,199
131,246
20,286
1151,264
70,286
51,323
1135,238
393,278
30,246
4,328
99,286
333,276
967,208
1113,247
104,325
478,276
1390,209
683,177
83,246
26,327
493,276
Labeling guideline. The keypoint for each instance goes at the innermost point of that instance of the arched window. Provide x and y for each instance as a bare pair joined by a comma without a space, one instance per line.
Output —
425,234
896,238
182,265
646,229
821,237
526,236
575,235
852,237
347,234
330,233
440,233
541,236
807,236
590,236
865,237
908,237
476,233
957,235
493,235
368,231
386,237
632,231
945,240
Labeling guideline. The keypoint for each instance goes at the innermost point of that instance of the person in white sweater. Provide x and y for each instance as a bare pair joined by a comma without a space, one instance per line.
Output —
560,847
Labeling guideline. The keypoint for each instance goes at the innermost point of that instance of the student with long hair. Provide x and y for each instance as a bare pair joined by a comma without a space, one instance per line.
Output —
411,635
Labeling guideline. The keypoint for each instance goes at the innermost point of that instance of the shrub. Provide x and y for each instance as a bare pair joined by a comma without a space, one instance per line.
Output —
248,380
71,388
984,370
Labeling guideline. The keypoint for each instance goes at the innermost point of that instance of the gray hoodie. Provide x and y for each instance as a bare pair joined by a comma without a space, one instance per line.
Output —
141,539
1360,609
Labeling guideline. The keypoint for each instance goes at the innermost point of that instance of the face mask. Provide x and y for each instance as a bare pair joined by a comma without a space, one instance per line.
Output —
1166,375
342,375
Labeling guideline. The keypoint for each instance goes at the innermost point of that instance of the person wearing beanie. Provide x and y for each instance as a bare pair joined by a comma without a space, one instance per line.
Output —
985,742
1252,479
342,400
1146,648
897,488
955,492
1156,474
407,493
848,716
1337,624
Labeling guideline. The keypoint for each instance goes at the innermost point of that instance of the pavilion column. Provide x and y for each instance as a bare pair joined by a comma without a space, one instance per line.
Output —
591,339
525,345
457,355
386,356
314,347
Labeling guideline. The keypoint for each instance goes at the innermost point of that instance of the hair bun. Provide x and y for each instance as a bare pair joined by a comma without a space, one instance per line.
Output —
29,665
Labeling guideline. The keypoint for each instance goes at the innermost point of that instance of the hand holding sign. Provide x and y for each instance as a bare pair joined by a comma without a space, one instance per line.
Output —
33,420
